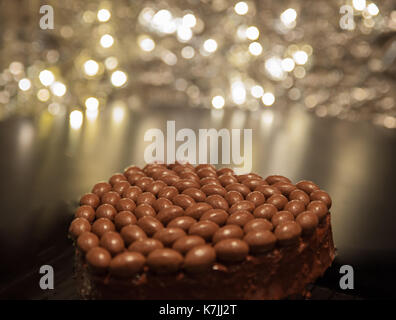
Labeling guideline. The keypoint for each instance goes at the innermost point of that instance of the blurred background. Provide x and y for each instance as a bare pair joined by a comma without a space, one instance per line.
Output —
313,79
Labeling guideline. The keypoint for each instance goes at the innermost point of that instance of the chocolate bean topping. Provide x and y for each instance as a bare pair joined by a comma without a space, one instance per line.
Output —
183,222
227,179
266,211
101,188
288,232
204,229
209,181
147,198
155,187
145,246
164,260
168,192
257,224
134,177
169,235
78,226
227,232
169,213
131,233
231,250
121,187
319,208
127,264
200,258
240,218
150,225
210,189
143,210
225,171
256,197
118,177
123,218
217,202
242,205
101,226
132,193
278,200
241,188
322,196
98,259
106,211
267,191
144,183
295,207
276,178
260,240
87,240
307,186
206,172
284,187
195,193
90,199
198,209
308,221
113,242
233,197
282,216
162,203
184,184
218,216
125,204
110,197
86,212
185,243
254,183
299,195
183,200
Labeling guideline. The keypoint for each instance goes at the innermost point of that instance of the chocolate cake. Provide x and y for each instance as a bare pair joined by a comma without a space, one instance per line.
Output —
183,232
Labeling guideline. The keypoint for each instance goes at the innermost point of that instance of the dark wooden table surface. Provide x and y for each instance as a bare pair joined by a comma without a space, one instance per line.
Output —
45,166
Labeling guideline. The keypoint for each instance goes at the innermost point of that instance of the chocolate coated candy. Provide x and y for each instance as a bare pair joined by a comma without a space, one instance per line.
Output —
276,178
233,197
87,240
218,216
282,216
168,192
164,260
267,191
86,212
185,243
124,218
131,233
242,205
199,258
260,240
227,232
278,200
170,213
127,264
113,242
78,226
299,195
98,259
307,186
169,235
143,210
217,202
288,232
110,197
101,226
322,196
240,218
295,207
198,209
118,177
231,250
126,204
150,225
266,211
241,188
90,199
183,222
106,211
145,246
132,193
146,198
308,221
183,200
121,187
257,224
256,197
195,193
101,188
319,208
204,229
